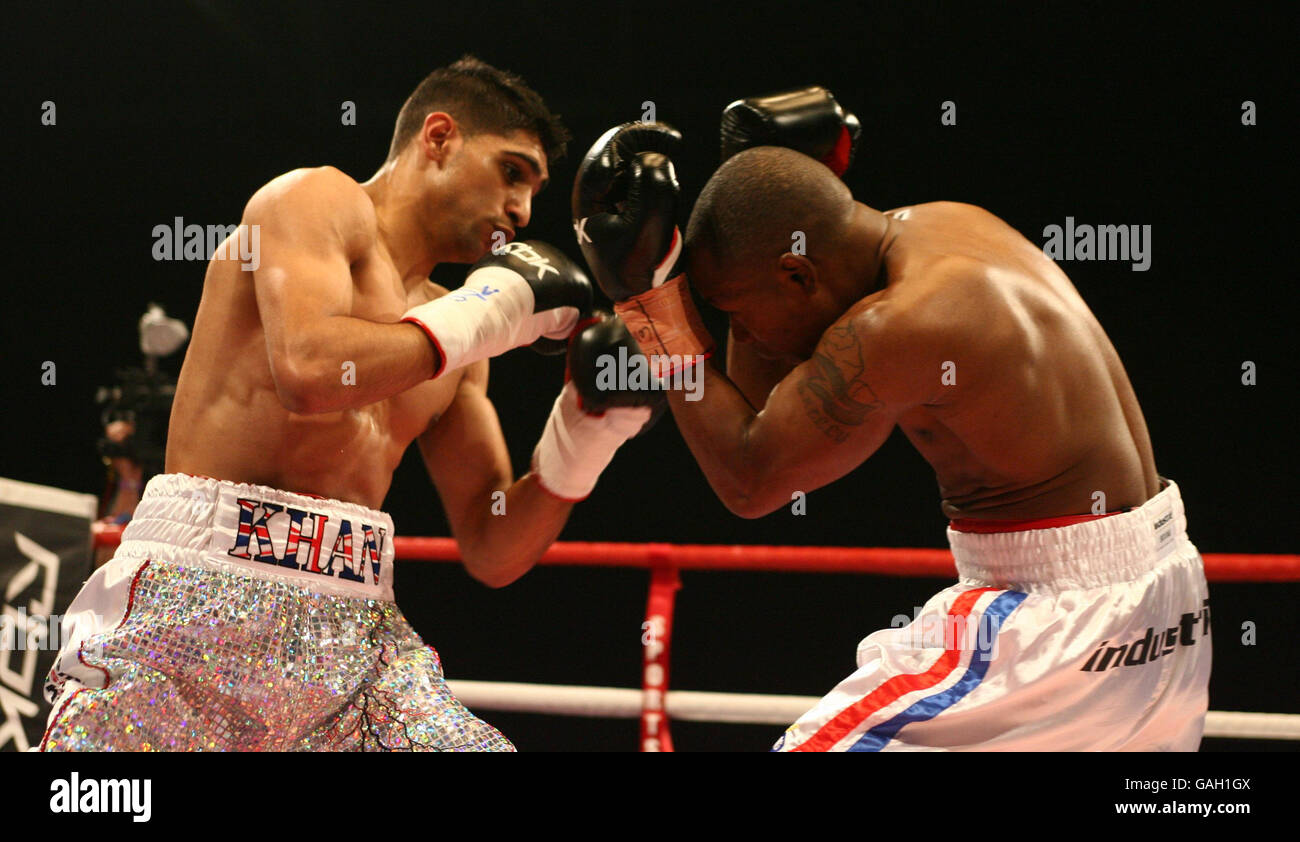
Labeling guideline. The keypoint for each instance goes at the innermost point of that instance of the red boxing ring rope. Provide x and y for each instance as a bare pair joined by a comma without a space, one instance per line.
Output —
894,561
665,560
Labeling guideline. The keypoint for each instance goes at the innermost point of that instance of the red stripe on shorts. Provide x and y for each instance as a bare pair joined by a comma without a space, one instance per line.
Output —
895,688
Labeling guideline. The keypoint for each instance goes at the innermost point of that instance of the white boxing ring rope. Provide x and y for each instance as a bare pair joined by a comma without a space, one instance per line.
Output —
756,708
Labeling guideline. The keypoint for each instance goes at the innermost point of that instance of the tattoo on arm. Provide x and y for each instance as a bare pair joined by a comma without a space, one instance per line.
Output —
837,395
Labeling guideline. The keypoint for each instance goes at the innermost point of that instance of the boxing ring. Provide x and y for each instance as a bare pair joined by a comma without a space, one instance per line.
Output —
655,705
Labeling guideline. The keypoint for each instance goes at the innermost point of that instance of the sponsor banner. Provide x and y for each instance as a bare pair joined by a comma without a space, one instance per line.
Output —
45,556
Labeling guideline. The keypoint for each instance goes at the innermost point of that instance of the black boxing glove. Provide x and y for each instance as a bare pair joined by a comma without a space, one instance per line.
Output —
609,369
527,292
808,120
597,411
624,207
624,214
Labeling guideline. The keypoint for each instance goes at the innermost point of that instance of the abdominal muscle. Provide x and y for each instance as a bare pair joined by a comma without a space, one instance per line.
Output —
340,455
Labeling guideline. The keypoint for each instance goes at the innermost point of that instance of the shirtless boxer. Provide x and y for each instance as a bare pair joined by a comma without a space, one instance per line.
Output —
1076,624
250,604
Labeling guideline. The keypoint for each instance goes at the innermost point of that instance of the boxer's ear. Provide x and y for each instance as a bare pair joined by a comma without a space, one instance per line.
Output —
797,269
440,136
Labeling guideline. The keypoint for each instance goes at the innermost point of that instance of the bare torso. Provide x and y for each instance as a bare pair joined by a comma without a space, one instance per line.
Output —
1036,414
228,422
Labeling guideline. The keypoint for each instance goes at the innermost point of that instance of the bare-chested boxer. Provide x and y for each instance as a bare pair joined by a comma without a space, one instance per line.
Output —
1081,619
250,605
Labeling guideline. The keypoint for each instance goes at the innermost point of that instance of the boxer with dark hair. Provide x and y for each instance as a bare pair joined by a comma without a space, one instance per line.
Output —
484,99
250,605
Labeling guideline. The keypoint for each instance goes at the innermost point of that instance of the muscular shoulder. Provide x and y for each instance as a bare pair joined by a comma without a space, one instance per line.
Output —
323,200
938,296
953,210
905,339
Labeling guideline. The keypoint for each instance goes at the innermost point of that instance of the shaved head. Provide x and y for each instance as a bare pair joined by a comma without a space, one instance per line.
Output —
751,208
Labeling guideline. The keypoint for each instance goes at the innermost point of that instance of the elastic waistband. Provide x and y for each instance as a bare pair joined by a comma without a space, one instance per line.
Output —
329,546
975,525
1094,553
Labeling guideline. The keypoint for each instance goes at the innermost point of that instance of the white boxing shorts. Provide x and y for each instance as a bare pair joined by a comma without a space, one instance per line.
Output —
241,617
1088,637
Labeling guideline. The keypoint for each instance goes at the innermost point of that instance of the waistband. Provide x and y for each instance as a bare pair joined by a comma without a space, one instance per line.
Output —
328,546
1104,551
976,525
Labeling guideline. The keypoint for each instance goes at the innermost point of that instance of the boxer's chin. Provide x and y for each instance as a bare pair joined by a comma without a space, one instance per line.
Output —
474,248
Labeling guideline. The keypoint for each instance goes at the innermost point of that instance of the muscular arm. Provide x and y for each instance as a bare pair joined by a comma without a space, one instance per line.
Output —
311,229
466,457
821,421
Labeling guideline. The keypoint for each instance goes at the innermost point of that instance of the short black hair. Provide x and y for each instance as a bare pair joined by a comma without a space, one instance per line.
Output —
482,99
753,204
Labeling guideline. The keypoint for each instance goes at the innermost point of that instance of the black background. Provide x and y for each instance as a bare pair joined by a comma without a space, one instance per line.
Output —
1112,115
503,792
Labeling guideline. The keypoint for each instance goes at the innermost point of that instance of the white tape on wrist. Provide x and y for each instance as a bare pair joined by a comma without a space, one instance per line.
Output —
575,447
491,314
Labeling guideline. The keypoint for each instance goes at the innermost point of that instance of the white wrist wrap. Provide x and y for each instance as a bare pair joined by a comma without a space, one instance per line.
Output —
575,447
491,314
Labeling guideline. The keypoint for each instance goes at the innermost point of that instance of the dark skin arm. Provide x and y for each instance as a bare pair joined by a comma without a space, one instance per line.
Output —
754,376
465,454
823,419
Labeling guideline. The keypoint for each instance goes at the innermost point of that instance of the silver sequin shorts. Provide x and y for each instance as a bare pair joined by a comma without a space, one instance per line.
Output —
237,617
